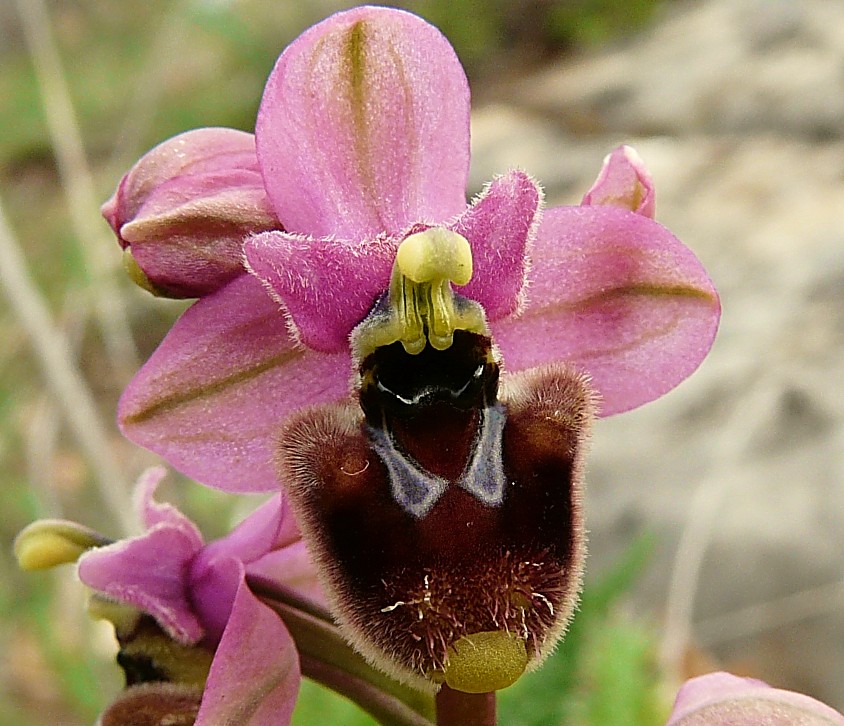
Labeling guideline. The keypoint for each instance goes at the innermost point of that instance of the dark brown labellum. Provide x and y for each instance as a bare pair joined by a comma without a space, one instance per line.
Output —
438,509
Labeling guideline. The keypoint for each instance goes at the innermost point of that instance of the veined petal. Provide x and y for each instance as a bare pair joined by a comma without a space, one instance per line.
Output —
326,285
619,297
211,398
255,676
722,699
148,572
624,181
364,126
500,225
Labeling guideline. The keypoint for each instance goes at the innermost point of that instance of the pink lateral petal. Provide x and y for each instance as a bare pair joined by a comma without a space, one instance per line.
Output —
214,582
364,126
624,181
255,676
500,226
148,572
326,285
214,393
722,699
618,296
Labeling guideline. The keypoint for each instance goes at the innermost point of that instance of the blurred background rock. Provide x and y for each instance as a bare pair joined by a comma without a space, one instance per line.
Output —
737,477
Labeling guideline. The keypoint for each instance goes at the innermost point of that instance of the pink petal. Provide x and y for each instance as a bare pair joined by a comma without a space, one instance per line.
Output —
722,699
364,126
214,582
293,567
269,527
148,572
327,285
255,675
500,225
213,395
618,296
152,512
624,181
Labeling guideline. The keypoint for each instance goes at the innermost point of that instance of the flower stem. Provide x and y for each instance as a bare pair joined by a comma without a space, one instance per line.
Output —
455,708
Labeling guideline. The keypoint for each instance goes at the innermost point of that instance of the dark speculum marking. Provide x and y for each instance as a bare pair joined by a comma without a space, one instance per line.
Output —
442,510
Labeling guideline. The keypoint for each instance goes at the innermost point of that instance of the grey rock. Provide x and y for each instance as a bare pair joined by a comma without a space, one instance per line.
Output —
737,108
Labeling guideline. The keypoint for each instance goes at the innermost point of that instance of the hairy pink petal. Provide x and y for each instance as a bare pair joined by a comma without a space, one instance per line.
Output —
255,675
364,126
722,699
148,572
624,181
618,296
500,225
213,395
326,285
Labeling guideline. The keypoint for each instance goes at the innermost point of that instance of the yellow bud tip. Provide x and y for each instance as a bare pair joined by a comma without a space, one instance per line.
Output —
484,662
48,543
138,276
435,254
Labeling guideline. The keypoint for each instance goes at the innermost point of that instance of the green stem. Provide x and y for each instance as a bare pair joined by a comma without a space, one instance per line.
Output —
327,658
455,708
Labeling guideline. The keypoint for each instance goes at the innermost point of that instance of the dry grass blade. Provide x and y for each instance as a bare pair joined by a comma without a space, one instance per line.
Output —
78,185
63,377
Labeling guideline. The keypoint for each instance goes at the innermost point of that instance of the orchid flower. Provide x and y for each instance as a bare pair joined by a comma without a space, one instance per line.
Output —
229,656
722,699
356,357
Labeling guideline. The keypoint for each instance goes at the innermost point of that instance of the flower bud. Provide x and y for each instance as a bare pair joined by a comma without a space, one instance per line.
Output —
48,543
183,211
624,182
722,699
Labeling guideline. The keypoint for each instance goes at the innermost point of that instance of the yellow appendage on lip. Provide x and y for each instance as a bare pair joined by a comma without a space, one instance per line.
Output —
484,662
422,308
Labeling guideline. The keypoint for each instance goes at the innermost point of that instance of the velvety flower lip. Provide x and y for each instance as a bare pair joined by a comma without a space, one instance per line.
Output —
362,139
722,699
198,593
